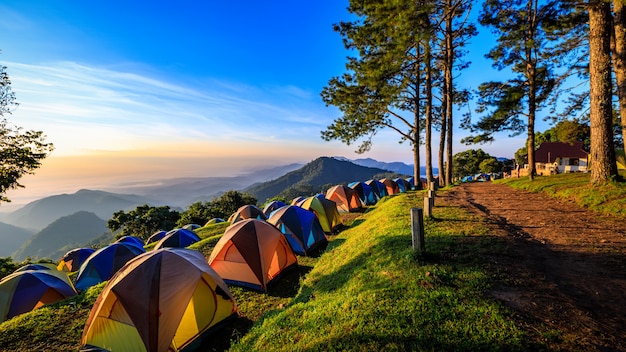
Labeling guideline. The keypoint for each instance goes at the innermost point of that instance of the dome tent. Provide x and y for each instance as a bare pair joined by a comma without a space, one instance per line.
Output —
252,253
247,212
162,300
271,206
346,198
378,187
391,186
73,259
103,263
325,210
156,237
26,290
131,239
300,227
177,238
366,193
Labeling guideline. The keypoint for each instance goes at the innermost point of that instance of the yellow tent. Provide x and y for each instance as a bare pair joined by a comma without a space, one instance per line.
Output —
162,300
325,210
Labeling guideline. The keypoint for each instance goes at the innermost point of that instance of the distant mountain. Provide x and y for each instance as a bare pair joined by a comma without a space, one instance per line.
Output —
319,172
66,233
38,214
11,238
182,192
397,167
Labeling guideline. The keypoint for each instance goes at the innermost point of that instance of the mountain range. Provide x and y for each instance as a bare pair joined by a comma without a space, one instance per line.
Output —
49,226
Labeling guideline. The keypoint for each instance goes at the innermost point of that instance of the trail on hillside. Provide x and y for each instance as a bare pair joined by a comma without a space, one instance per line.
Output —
566,266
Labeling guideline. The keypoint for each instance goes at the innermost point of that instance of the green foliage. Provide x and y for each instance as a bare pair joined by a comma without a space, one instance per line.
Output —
489,166
197,213
7,266
143,221
21,152
229,202
468,162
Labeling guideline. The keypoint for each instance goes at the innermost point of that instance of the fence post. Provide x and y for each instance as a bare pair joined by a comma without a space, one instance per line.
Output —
428,209
417,229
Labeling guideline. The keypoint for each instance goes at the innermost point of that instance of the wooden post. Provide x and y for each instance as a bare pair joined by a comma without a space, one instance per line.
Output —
428,209
431,195
417,229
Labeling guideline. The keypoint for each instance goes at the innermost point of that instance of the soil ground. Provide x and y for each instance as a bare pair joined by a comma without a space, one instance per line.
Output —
566,266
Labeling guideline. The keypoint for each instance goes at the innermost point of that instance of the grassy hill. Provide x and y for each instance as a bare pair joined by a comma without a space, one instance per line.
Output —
66,233
313,177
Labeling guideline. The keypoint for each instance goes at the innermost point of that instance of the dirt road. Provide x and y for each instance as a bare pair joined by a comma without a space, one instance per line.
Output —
566,265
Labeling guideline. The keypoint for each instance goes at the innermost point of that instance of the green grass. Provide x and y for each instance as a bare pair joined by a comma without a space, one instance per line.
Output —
609,198
367,290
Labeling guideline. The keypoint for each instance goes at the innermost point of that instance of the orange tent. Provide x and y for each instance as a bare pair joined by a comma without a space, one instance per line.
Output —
346,198
163,300
391,186
251,253
247,212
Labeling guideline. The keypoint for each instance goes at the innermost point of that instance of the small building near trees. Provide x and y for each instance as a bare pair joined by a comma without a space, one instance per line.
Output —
558,158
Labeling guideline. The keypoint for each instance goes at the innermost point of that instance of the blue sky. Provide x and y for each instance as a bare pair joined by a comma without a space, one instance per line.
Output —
147,90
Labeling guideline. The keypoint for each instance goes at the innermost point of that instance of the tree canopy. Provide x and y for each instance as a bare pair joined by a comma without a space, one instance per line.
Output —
21,151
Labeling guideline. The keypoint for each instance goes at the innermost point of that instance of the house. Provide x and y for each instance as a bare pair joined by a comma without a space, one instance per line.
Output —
557,158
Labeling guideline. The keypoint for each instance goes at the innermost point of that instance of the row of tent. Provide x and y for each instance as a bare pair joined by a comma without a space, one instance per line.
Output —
145,287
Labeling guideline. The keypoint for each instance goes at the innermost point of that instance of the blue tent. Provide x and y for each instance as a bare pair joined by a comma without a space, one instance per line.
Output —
271,206
177,238
73,259
378,187
214,221
365,192
156,237
403,184
301,228
103,263
132,240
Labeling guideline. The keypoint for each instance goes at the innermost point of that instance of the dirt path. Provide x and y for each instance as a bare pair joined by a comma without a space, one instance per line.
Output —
566,265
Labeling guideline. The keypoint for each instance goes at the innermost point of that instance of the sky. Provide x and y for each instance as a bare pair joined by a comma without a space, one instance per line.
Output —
138,90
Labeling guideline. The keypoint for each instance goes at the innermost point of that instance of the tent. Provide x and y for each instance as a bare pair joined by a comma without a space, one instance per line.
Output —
131,240
103,263
73,259
391,186
214,221
191,227
177,238
156,237
271,206
325,210
247,212
346,198
252,253
26,290
37,266
162,300
378,188
300,227
403,185
366,193
297,200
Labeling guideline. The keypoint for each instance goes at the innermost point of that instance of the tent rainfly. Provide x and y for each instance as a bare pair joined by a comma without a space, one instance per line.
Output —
300,227
162,300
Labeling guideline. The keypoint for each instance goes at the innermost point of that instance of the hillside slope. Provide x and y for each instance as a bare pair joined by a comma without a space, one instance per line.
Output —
40,213
319,172
11,238
66,233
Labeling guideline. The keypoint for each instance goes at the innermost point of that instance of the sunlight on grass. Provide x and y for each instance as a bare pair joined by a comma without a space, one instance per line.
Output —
371,291
609,198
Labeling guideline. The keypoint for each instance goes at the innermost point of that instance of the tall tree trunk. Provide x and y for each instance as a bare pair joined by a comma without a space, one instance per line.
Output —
442,139
531,69
416,124
619,60
429,112
449,97
603,165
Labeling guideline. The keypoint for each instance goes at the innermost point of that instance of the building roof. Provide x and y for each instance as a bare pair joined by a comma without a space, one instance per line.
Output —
549,151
